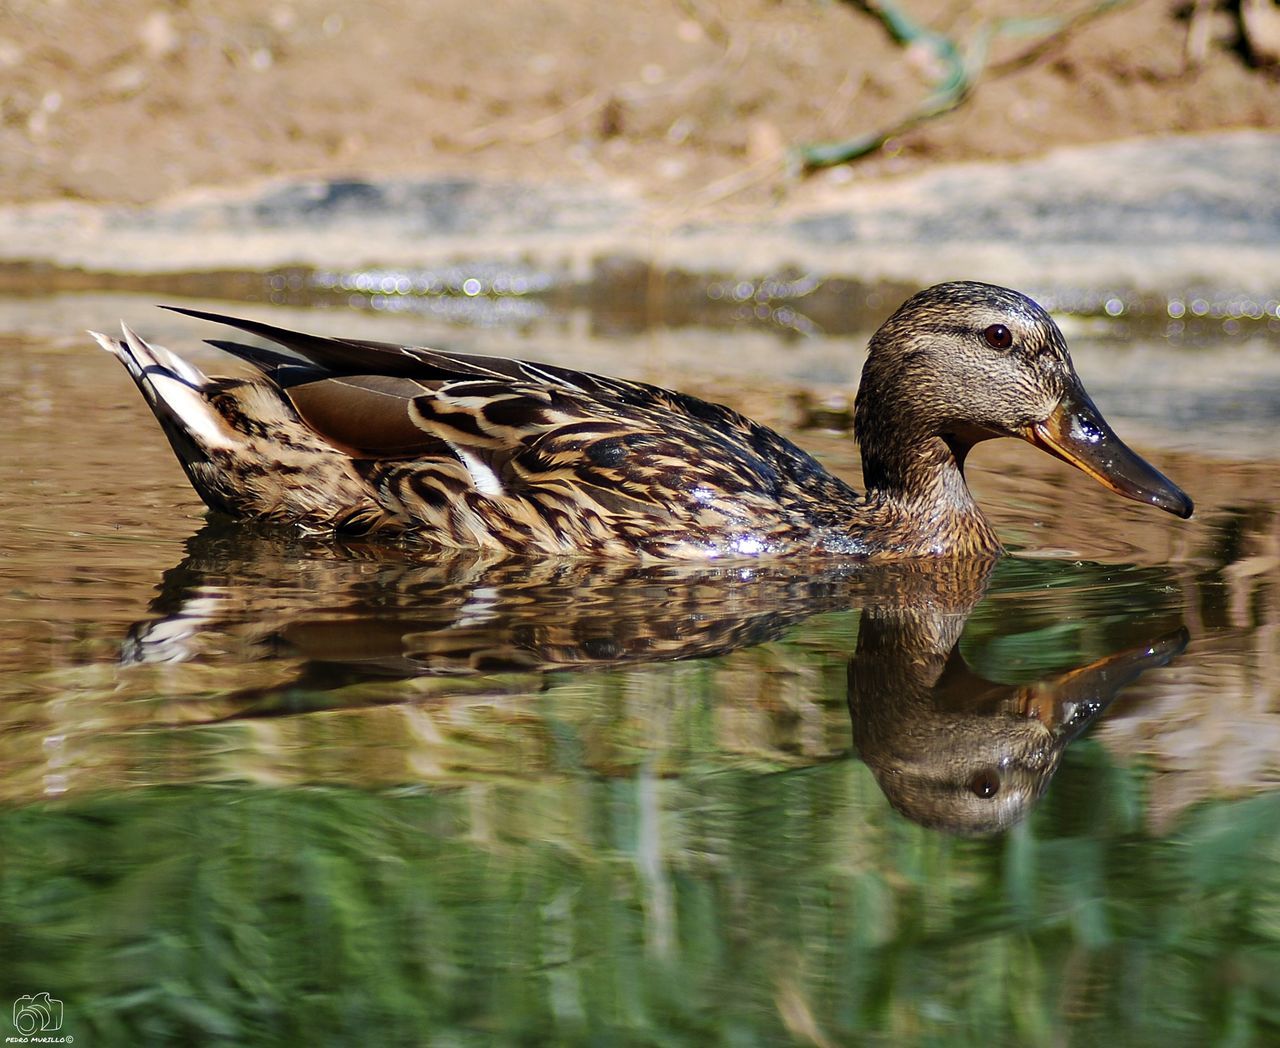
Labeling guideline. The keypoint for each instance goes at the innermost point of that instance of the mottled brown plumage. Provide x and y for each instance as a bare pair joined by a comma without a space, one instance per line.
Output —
471,452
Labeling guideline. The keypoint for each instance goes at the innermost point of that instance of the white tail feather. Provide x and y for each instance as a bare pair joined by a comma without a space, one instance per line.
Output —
165,378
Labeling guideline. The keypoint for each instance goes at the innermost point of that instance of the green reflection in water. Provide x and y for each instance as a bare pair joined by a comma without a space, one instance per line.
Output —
720,908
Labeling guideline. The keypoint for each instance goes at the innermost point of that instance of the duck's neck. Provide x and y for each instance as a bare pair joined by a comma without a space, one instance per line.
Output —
915,485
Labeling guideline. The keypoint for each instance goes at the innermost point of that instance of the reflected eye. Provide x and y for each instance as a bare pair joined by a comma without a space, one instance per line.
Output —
998,336
985,783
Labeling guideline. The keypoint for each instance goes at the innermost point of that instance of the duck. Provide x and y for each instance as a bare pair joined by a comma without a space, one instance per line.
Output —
348,437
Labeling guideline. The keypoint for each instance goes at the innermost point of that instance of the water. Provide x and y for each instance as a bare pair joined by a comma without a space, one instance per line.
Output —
263,790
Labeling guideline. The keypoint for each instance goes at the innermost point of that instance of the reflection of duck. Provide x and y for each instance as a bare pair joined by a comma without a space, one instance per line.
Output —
954,750
342,435
950,748
350,618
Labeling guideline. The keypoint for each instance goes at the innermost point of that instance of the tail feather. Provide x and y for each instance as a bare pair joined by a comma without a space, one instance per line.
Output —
241,443
175,389
137,355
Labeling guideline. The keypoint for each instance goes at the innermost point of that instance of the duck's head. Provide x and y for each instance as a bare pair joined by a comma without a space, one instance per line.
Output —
963,362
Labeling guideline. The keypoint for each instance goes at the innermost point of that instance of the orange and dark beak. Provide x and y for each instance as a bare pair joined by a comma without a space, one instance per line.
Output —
1077,433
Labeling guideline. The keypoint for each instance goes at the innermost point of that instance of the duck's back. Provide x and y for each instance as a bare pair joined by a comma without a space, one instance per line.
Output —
481,452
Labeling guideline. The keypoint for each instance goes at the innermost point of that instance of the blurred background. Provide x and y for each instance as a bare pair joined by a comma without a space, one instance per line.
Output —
686,100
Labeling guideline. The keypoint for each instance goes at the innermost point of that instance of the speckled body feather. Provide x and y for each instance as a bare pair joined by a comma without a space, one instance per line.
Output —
475,452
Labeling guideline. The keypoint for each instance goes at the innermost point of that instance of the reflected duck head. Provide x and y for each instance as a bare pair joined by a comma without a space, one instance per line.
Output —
963,362
968,772
957,752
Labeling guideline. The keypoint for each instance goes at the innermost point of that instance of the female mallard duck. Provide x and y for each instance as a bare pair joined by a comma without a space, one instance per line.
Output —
349,436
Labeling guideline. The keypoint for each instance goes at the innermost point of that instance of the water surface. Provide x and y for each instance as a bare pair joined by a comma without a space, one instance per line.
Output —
260,789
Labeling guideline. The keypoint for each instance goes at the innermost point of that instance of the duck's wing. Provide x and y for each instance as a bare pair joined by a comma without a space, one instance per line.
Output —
578,452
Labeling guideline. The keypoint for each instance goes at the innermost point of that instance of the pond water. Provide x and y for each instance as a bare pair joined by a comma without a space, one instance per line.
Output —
265,790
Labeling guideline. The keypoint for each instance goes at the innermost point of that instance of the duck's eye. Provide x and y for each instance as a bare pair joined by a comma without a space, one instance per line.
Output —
985,783
998,336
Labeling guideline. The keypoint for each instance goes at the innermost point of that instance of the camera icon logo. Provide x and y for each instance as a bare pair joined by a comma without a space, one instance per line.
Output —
38,1014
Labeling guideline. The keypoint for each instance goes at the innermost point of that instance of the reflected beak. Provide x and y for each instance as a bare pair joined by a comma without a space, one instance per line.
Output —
1083,693
1077,433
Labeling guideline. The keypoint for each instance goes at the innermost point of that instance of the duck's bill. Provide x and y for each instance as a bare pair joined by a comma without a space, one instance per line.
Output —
1068,704
1077,433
